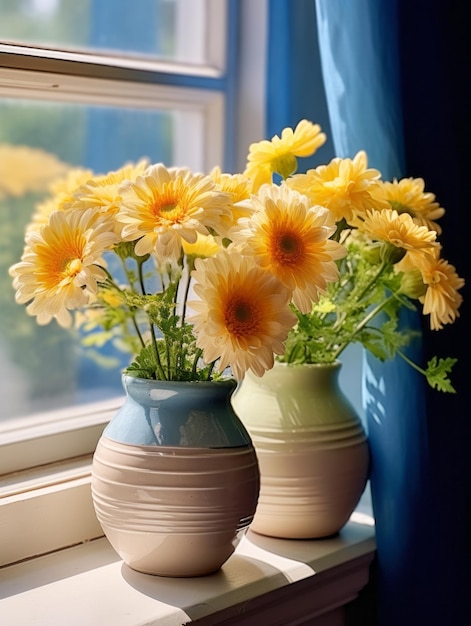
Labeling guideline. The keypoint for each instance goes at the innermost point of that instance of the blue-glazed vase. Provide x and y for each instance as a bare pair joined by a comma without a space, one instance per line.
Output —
175,478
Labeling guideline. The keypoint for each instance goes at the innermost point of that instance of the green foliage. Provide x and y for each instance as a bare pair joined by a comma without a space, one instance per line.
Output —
361,307
145,325
172,357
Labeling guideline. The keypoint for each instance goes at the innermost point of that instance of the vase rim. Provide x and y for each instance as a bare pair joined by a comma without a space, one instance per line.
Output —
227,382
333,364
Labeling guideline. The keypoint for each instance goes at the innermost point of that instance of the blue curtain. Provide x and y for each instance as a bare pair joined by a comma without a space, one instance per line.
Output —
360,62
378,76
294,85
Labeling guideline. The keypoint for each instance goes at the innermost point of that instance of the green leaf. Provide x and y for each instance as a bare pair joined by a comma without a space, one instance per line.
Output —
437,373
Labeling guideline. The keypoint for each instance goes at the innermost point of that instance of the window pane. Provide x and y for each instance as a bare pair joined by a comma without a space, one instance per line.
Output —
46,367
154,28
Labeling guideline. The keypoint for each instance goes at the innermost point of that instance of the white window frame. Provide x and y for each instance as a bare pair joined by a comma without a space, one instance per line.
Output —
45,504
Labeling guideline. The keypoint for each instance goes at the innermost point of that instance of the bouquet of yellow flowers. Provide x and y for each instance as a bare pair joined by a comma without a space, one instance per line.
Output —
196,273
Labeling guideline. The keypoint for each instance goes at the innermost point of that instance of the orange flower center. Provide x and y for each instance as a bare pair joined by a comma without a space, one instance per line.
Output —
73,267
56,266
168,206
241,317
287,249
171,211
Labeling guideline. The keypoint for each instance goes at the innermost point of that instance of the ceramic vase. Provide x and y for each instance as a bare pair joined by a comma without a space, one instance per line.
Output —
175,478
311,447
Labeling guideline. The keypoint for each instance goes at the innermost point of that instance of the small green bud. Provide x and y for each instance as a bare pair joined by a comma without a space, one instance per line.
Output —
401,208
372,253
391,253
412,284
285,165
125,250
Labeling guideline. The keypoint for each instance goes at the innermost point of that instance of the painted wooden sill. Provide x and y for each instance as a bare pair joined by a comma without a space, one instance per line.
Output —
269,581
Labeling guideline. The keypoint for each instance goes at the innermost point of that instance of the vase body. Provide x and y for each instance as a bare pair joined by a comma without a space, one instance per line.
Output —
175,478
311,447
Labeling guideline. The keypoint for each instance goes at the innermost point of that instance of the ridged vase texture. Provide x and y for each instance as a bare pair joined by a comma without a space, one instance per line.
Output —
311,447
175,478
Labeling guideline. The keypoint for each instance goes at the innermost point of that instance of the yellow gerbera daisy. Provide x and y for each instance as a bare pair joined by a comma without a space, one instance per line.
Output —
400,230
290,239
441,300
239,187
166,206
102,193
242,316
408,196
62,191
345,186
204,246
60,266
65,186
279,155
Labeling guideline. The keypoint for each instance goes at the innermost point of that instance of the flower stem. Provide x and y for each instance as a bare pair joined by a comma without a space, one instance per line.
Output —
195,361
210,369
160,370
111,281
373,281
371,315
138,330
411,363
186,294
140,266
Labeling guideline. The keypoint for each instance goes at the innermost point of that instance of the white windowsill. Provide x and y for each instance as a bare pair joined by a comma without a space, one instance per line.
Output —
266,581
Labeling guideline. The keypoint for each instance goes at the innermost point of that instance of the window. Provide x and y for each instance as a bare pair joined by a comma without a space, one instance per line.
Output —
148,29
44,134
83,85
53,121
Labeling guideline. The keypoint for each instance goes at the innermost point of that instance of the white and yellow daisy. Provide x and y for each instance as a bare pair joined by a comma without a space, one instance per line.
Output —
102,192
62,265
62,196
239,187
166,206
